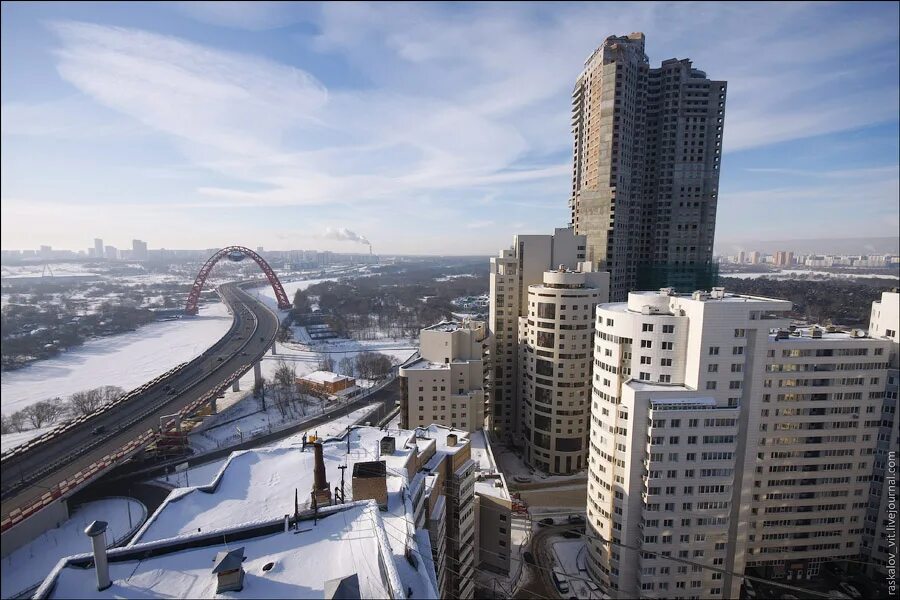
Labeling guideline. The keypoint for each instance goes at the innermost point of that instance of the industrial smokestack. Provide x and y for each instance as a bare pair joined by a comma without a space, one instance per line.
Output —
97,532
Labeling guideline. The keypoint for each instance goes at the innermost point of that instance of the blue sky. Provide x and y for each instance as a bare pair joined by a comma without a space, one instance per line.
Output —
427,128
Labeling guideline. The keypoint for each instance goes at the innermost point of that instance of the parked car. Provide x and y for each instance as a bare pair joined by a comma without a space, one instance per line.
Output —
576,520
547,521
528,557
849,589
560,581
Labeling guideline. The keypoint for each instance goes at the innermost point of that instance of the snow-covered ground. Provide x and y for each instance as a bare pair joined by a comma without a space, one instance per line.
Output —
571,556
27,566
127,360
514,467
200,475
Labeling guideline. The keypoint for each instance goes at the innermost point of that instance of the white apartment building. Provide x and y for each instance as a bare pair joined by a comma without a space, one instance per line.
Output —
885,323
556,339
819,418
444,382
694,400
516,268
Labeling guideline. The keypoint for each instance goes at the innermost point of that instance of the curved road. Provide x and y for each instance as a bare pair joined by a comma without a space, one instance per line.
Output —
27,476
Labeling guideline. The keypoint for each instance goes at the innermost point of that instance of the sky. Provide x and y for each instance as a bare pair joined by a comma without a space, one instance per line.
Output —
423,128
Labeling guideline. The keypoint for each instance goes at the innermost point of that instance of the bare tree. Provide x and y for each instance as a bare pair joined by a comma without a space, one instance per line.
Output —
326,363
86,402
17,421
285,375
373,365
5,426
110,393
44,412
347,366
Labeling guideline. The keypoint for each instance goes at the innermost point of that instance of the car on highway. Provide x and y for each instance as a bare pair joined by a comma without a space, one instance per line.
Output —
171,392
521,478
560,581
546,522
220,359
849,589
243,354
98,430
576,520
838,595
528,557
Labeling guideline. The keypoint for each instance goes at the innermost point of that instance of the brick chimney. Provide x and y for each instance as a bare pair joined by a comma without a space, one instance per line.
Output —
321,492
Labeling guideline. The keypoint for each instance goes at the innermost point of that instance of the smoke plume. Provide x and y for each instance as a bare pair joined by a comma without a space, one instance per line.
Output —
345,235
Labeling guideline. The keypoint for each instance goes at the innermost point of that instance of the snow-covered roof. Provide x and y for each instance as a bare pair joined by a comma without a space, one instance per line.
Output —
262,482
324,377
347,540
490,480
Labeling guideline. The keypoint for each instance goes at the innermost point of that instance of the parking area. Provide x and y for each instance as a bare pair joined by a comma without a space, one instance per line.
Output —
832,581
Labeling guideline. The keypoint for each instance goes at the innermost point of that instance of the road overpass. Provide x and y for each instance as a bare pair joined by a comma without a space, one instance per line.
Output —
60,464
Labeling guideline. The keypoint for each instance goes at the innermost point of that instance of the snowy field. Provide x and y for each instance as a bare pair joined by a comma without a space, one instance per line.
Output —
127,360
27,566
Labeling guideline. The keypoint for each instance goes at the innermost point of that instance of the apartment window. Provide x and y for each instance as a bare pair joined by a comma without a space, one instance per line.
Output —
665,362
667,345
647,327
712,368
646,343
668,328
710,385
713,350
644,376
739,333
737,350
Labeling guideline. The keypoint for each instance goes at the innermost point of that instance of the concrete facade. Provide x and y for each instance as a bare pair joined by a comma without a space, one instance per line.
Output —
555,363
512,272
885,324
645,174
444,383
710,421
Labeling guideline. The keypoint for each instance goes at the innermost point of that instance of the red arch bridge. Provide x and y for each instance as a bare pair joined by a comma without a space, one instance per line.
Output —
235,254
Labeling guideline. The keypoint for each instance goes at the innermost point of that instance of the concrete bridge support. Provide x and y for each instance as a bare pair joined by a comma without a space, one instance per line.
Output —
236,386
274,353
257,374
47,518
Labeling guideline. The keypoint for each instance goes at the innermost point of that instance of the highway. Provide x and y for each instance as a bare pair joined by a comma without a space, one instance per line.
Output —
26,477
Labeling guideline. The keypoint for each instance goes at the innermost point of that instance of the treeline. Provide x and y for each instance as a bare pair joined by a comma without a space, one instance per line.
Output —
398,300
49,412
845,302
32,332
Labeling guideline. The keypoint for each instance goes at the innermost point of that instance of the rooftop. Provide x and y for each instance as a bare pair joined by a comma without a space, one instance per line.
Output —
448,326
300,563
324,377
262,482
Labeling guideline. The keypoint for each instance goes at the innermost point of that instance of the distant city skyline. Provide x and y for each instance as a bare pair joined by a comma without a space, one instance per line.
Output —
204,124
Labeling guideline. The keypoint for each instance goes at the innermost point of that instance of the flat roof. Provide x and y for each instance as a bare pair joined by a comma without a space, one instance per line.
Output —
337,545
324,377
262,482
